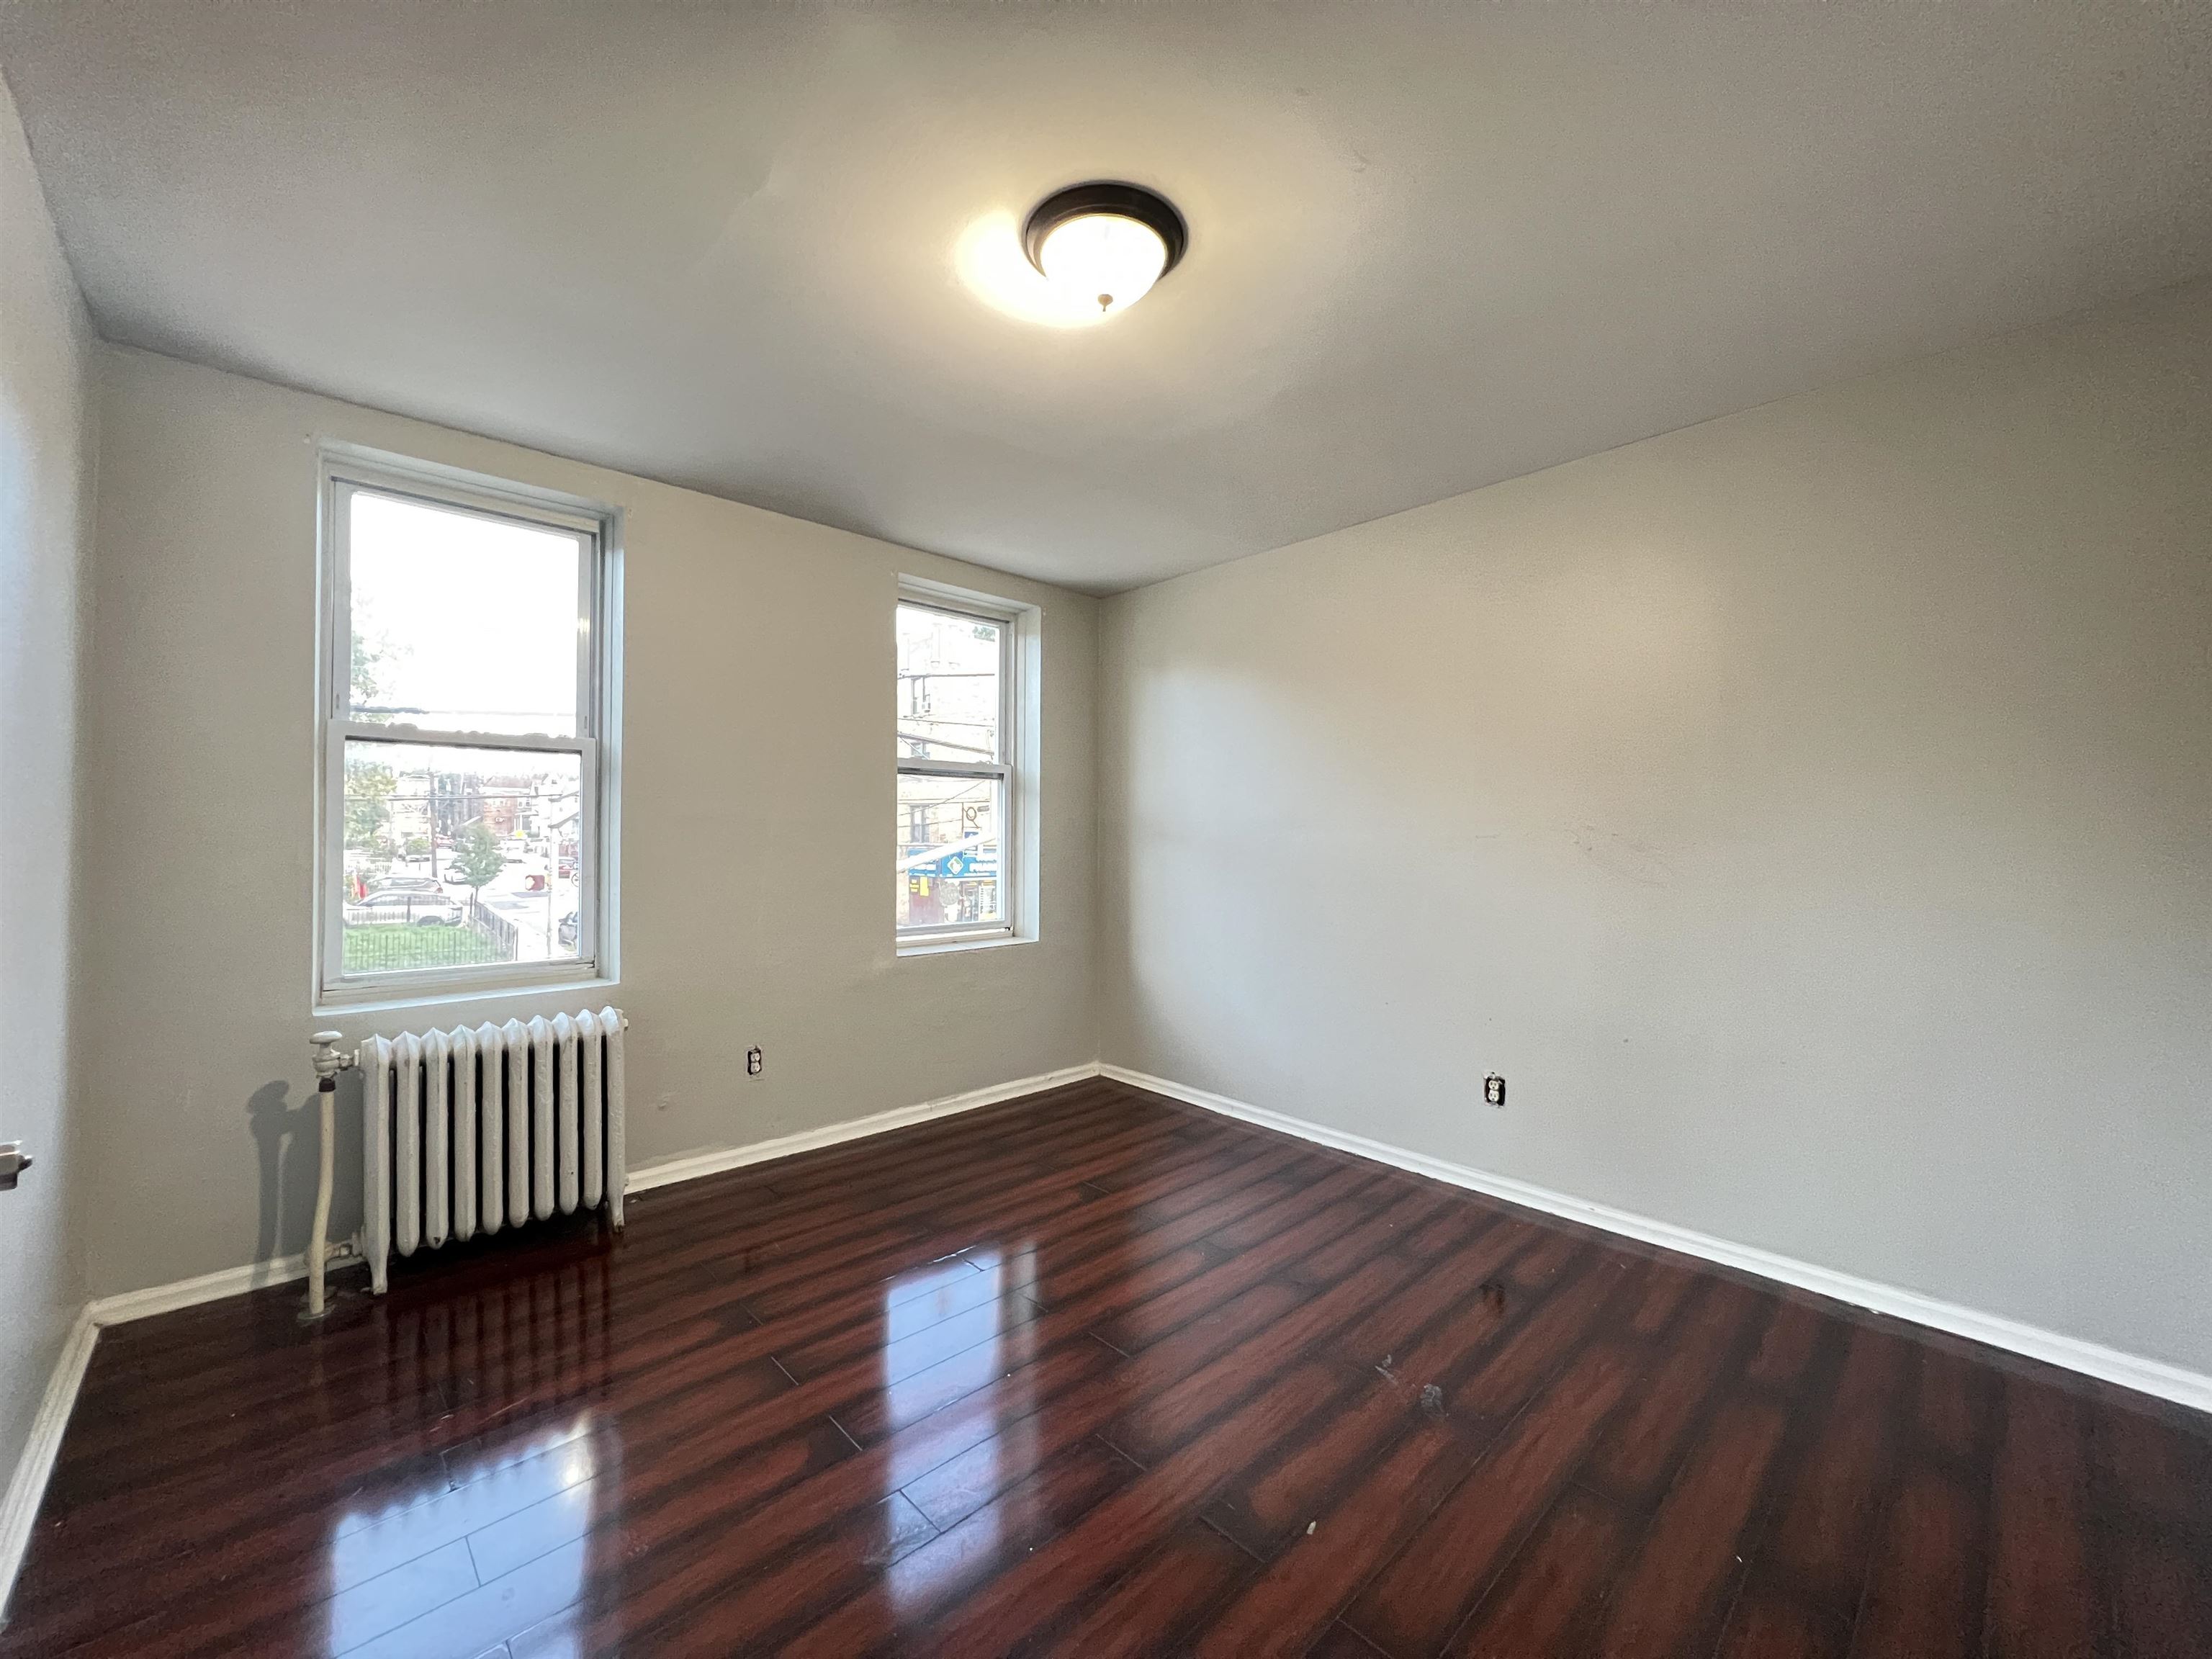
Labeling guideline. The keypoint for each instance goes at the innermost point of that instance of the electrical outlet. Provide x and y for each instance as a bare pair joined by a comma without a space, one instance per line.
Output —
1493,1090
753,1062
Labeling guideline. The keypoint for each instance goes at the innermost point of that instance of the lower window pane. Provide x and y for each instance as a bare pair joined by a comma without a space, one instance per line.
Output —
948,851
456,857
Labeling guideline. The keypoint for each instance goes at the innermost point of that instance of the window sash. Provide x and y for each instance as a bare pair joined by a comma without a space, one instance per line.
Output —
342,479
1002,737
1004,776
1002,806
343,485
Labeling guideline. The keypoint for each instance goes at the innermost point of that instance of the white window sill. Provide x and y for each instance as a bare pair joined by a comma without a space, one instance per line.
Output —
939,947
380,1000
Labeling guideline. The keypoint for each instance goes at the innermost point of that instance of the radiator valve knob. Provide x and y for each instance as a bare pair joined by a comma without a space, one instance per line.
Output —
329,1059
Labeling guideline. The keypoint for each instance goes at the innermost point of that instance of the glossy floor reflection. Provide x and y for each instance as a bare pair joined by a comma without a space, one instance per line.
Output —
1095,1374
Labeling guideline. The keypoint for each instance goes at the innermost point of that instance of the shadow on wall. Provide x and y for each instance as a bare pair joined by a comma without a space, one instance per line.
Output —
288,1142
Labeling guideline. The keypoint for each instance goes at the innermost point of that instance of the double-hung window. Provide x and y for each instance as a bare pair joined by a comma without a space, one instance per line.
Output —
965,798
467,710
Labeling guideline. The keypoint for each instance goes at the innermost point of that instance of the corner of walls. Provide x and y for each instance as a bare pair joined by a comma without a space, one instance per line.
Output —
1104,908
1110,789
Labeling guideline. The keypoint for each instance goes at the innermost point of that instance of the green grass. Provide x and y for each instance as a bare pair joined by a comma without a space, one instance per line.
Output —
393,945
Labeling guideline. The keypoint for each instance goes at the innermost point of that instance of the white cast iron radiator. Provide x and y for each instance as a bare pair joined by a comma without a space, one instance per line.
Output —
474,1129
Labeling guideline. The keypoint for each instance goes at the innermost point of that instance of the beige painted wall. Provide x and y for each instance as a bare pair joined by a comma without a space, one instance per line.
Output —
46,446
1810,813
757,813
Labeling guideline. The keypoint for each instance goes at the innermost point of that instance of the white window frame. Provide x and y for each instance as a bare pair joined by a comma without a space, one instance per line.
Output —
1020,632
345,470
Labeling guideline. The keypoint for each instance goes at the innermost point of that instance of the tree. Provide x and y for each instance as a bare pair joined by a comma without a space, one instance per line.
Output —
367,690
368,790
476,858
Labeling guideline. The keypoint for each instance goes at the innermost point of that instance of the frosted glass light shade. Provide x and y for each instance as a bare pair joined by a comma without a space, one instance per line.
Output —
1106,260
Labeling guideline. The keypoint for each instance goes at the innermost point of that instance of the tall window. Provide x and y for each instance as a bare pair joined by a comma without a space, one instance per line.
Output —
961,718
466,708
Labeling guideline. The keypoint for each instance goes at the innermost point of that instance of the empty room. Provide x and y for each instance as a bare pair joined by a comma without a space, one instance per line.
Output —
1350,828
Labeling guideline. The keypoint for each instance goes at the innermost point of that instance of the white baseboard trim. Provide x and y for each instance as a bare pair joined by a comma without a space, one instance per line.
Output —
690,1166
207,1287
19,1507
283,1270
2127,1370
27,1486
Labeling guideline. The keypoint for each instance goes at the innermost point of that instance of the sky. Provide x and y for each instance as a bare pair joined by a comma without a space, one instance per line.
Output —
476,618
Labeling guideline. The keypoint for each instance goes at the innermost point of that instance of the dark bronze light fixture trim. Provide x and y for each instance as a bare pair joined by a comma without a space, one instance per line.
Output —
1146,207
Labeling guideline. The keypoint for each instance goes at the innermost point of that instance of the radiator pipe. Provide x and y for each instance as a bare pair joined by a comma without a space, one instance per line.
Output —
329,1062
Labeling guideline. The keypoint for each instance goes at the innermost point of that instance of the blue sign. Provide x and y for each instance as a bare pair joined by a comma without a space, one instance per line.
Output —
967,864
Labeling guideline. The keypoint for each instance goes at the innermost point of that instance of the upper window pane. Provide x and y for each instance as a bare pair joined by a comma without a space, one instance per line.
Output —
948,685
462,622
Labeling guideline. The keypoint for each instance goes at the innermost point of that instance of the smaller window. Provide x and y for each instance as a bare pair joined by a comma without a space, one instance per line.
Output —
962,723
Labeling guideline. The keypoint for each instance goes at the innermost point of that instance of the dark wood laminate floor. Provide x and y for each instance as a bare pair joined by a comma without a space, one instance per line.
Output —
1097,1374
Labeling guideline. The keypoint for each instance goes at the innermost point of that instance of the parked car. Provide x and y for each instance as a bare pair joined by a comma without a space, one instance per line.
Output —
431,909
570,930
402,885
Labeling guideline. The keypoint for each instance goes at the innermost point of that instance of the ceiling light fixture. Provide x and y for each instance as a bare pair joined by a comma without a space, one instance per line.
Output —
1104,243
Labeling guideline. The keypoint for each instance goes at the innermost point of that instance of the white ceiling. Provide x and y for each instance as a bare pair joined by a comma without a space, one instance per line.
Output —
1430,247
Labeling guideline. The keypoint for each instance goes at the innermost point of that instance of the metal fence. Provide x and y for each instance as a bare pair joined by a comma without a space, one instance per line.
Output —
384,947
500,935
483,935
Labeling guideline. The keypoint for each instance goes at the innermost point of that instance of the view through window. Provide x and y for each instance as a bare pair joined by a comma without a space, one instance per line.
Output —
954,772
464,744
